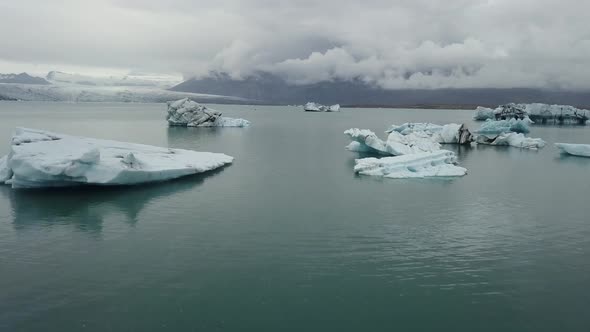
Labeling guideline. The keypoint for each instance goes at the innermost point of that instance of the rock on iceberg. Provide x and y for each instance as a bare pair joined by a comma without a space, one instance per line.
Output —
185,112
43,159
581,150
419,165
314,107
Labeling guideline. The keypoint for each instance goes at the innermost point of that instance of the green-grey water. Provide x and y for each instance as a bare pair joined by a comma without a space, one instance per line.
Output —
288,238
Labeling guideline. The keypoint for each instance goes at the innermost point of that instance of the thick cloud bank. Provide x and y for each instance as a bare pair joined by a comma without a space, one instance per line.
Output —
392,43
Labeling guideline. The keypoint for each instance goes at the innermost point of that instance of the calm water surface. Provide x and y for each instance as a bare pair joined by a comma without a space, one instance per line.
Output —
289,239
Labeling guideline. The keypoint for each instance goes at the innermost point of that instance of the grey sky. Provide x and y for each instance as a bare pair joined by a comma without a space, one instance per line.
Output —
393,43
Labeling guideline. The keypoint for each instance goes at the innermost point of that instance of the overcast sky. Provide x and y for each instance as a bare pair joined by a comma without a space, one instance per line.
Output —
393,43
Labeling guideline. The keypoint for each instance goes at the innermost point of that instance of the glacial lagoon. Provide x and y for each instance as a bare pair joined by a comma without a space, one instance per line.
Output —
288,238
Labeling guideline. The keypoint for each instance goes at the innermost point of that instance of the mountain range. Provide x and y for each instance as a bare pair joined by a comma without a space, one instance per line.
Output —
22,78
271,89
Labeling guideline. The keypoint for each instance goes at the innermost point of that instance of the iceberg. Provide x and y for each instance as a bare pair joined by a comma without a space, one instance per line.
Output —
419,165
364,140
186,112
505,126
451,133
483,113
512,139
43,159
580,150
314,107
397,144
537,112
544,113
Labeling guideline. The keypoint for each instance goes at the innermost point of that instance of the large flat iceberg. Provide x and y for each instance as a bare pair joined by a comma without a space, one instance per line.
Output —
581,150
419,165
43,159
188,113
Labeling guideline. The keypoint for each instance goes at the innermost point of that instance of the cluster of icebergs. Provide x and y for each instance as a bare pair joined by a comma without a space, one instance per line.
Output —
536,112
314,107
415,150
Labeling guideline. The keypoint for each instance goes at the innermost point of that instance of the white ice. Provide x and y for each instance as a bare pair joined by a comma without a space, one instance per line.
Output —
451,133
505,126
315,107
511,139
186,112
483,113
581,150
439,163
43,159
396,144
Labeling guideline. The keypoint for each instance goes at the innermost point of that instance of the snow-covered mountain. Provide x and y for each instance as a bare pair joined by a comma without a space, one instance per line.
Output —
22,78
85,88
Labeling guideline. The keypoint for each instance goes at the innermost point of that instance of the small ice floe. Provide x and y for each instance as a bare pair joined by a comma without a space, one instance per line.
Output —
580,150
439,163
39,158
314,107
188,113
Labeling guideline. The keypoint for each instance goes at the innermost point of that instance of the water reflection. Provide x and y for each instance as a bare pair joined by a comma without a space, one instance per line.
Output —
187,137
573,160
87,207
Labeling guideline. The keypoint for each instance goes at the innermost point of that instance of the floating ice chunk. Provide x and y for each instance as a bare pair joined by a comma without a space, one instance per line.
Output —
451,133
396,144
556,113
366,141
43,159
185,112
314,107
511,139
334,108
540,113
581,150
492,127
439,163
483,113
415,142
